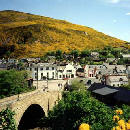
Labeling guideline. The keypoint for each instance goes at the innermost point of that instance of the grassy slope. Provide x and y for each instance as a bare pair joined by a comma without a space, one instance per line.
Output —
33,35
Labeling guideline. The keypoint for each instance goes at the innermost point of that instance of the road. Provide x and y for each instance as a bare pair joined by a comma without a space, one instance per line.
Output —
52,85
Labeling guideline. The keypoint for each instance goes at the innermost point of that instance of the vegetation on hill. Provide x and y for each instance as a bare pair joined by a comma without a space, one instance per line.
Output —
27,35
86,57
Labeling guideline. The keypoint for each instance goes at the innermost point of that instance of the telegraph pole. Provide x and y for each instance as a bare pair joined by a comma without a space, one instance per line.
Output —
37,76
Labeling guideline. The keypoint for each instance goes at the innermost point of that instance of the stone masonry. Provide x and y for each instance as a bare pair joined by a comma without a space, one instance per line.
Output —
20,103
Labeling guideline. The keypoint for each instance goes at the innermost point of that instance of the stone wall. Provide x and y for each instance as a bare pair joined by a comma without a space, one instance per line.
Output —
20,103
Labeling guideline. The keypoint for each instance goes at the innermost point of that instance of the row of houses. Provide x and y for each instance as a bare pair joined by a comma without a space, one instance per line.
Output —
42,71
113,75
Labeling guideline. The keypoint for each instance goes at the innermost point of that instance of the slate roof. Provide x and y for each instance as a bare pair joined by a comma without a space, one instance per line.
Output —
95,86
44,65
122,94
105,91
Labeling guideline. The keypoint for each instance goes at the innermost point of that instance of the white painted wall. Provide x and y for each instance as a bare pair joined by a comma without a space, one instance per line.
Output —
68,72
115,83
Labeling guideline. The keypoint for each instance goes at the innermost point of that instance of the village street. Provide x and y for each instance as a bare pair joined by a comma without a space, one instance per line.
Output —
52,85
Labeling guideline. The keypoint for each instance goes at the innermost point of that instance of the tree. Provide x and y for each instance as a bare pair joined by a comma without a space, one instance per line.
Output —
123,61
21,66
77,86
74,53
50,53
103,53
59,55
79,107
108,48
116,53
126,112
85,53
13,82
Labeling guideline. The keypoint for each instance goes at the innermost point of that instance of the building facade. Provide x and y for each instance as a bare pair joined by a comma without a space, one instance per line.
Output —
42,71
116,80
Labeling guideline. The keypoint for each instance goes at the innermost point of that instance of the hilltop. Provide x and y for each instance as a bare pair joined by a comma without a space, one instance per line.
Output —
27,35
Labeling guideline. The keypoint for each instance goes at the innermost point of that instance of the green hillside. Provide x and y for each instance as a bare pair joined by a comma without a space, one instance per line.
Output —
27,35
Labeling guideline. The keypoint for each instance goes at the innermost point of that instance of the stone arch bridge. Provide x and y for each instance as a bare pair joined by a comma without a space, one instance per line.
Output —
38,99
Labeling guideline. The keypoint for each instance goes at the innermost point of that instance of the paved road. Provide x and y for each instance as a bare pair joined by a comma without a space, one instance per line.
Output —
52,85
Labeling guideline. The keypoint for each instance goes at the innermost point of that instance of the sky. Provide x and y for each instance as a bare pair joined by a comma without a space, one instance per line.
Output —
111,17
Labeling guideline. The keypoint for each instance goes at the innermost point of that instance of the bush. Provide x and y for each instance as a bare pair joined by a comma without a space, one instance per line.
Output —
77,85
7,121
79,107
120,119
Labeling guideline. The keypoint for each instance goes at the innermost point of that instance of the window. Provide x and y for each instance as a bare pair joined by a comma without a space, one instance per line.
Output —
100,72
69,70
121,79
30,69
47,68
52,68
59,76
41,68
60,71
36,76
47,75
41,75
35,69
53,75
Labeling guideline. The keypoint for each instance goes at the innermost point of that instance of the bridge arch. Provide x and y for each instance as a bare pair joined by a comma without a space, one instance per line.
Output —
30,117
45,100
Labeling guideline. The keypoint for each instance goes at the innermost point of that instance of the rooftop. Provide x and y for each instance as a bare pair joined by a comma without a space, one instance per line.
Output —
105,91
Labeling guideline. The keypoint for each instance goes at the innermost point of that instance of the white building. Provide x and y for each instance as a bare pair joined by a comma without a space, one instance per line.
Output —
126,56
91,71
66,71
42,71
128,71
12,61
116,80
95,55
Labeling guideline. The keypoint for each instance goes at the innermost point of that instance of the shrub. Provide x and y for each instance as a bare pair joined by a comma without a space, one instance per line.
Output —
7,121
78,107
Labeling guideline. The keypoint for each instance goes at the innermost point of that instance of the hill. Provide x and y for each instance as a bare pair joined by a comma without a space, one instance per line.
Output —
27,35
